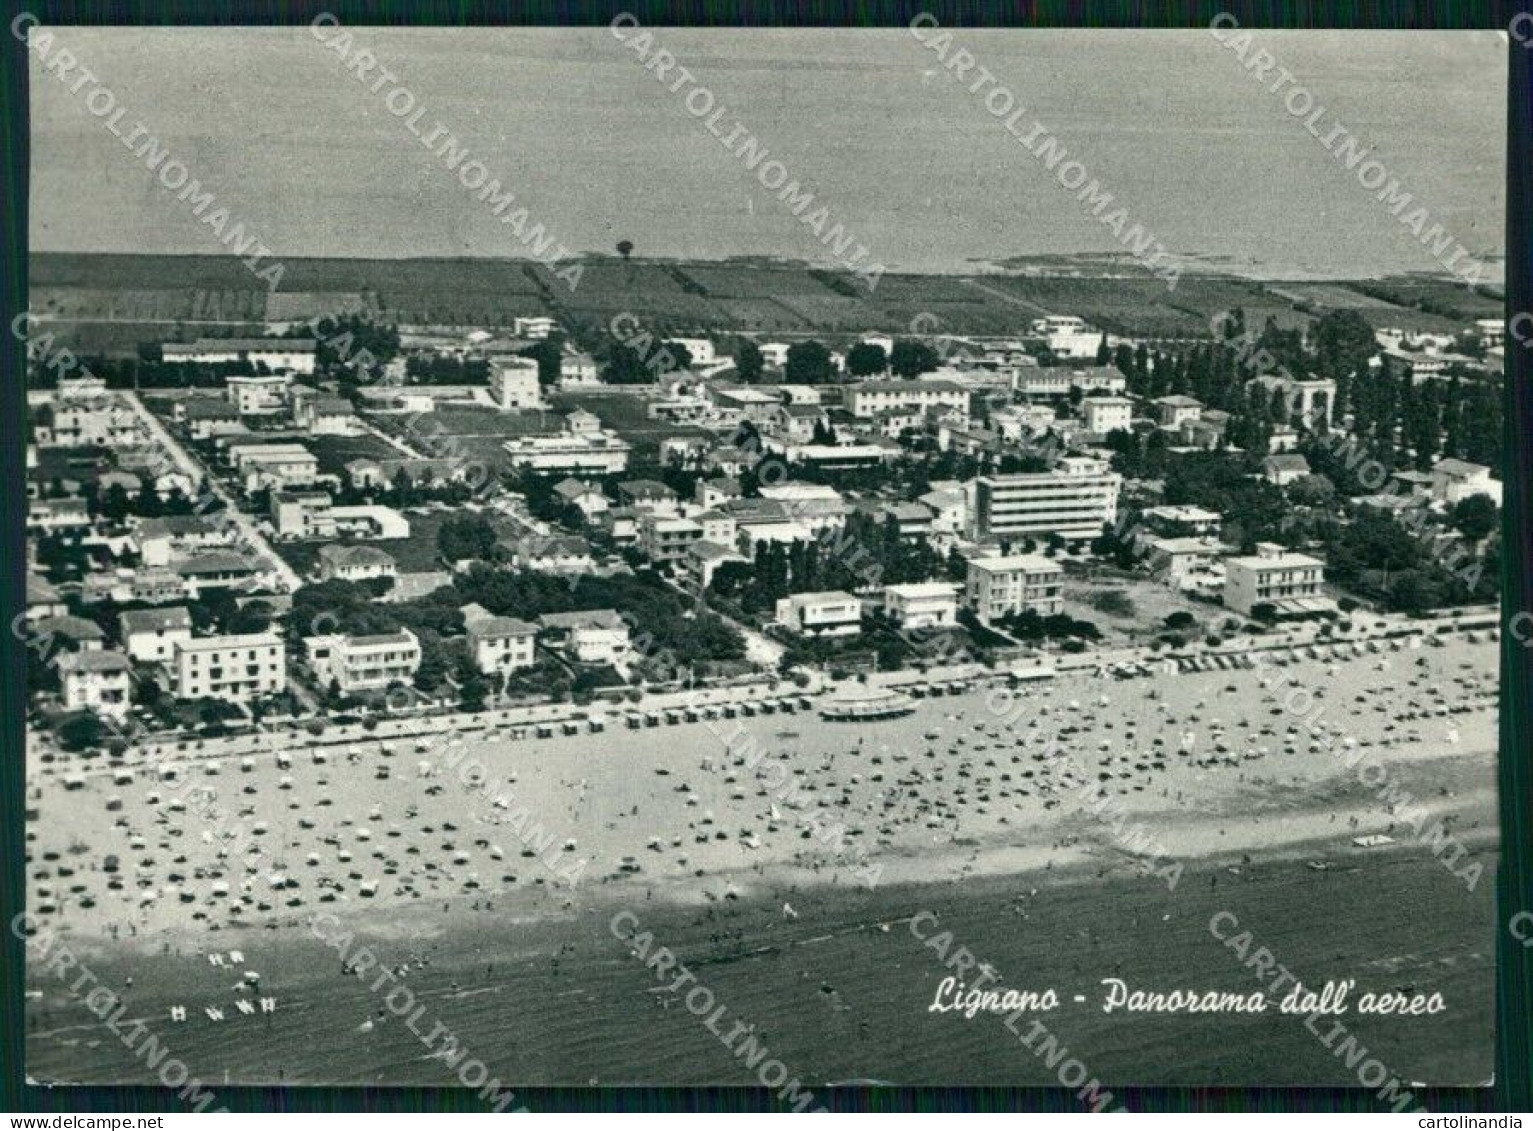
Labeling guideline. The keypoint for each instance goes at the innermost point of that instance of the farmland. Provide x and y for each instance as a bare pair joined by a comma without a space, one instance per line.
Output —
115,303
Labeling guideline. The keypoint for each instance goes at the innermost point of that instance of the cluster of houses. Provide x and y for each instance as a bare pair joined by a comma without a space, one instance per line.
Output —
999,401
996,587
162,644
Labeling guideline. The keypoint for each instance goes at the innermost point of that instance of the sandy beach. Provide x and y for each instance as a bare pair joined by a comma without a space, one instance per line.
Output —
1230,772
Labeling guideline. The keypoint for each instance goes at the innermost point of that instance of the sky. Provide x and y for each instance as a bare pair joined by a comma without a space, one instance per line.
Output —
312,161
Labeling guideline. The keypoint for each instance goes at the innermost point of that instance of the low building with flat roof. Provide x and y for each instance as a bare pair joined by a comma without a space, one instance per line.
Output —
925,604
364,663
830,613
596,636
1289,582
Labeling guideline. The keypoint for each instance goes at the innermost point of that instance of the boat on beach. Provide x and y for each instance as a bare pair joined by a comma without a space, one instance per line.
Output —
868,703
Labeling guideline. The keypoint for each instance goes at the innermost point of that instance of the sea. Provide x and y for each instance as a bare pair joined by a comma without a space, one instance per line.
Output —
598,149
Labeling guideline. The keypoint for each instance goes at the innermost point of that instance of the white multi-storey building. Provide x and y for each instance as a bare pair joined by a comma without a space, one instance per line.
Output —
665,539
701,349
1000,587
278,466
353,563
99,681
534,329
151,635
1038,382
258,394
1175,410
236,668
514,383
1072,501
1454,480
1274,576
364,663
872,397
1068,336
599,636
584,447
502,644
1107,414
1182,521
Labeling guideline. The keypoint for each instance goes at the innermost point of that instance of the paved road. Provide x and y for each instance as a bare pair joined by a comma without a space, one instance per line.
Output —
288,580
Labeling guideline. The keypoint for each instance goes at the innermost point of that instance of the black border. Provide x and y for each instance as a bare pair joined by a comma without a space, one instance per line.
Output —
1512,1092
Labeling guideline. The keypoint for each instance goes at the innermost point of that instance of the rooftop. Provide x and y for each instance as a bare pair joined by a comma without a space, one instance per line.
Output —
593,618
646,489
1012,563
492,627
899,386
216,562
241,345
919,589
76,627
1460,468
154,620
105,661
336,554
215,643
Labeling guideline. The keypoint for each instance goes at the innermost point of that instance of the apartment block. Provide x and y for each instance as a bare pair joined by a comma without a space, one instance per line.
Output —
234,668
1000,587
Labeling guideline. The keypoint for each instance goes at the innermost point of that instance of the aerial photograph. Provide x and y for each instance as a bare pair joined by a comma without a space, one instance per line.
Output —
788,559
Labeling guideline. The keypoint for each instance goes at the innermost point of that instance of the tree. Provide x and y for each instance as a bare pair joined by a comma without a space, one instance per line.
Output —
866,359
472,693
1312,491
681,354
466,537
148,505
809,363
911,358
1344,343
624,366
82,732
214,610
115,504
749,363
1113,602
252,617
549,354
625,248
1475,517
147,693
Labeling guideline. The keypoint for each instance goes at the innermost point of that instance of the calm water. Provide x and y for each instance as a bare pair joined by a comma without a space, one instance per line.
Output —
599,150
833,994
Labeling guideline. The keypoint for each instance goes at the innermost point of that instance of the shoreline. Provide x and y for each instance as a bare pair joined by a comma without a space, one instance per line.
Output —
968,816
978,782
470,971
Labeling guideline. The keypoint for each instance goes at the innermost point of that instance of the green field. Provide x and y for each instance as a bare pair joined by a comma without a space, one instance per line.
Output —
335,452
